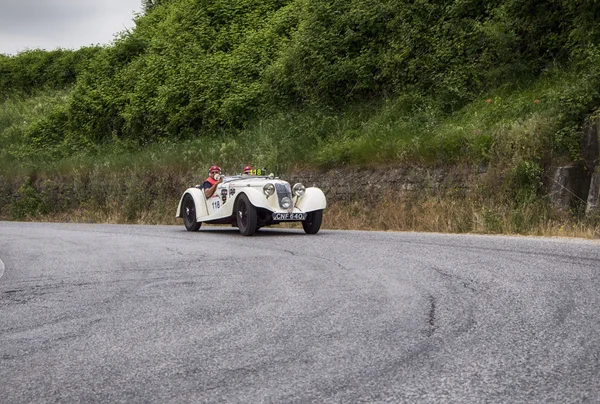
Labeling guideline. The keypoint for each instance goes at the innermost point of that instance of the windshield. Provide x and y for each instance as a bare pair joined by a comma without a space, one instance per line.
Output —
245,178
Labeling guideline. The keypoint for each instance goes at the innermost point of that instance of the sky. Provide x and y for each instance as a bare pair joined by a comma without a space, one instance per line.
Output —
66,24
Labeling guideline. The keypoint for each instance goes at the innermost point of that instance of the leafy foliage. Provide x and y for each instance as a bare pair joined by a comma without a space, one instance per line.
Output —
33,71
204,68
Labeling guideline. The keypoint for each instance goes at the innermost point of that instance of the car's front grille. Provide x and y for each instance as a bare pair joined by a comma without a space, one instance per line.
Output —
283,190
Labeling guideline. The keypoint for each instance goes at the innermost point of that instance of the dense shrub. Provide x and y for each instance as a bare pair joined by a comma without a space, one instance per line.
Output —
33,71
195,67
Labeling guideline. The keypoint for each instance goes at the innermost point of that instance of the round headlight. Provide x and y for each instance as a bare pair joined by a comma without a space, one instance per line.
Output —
269,189
286,203
299,189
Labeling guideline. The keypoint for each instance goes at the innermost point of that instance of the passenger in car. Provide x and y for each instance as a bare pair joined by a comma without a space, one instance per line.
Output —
210,184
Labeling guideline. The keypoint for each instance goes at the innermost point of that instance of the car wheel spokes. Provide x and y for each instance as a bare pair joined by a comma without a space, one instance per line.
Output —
189,212
243,214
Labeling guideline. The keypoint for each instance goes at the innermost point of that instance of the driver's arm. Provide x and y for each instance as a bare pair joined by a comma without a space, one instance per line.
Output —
210,190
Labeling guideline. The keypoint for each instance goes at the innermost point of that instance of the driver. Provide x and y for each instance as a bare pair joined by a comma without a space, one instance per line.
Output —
248,170
210,184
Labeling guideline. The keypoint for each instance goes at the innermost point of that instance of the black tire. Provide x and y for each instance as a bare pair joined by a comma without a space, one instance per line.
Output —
246,216
188,211
312,223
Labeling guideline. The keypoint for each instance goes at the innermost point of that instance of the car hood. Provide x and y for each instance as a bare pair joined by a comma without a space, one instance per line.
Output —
252,181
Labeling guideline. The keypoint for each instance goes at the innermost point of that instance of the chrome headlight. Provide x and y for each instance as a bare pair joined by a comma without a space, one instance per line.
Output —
299,189
286,203
269,189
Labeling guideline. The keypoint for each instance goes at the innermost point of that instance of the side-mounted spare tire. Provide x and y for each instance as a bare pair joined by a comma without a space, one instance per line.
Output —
188,211
312,223
246,215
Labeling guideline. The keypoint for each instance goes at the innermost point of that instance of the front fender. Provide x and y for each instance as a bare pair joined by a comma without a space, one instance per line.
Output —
313,199
199,201
256,197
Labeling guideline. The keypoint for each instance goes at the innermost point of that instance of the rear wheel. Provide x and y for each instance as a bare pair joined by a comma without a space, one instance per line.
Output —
312,223
189,213
246,216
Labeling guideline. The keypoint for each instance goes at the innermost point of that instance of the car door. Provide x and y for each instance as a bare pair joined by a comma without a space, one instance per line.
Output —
215,203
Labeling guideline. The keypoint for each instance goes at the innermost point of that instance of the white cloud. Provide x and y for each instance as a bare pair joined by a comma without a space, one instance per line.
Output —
67,24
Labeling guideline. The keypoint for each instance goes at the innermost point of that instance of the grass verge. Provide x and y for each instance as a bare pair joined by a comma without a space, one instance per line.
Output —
516,131
151,197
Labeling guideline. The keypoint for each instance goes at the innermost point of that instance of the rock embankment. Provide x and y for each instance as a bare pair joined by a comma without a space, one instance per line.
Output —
566,186
579,183
349,184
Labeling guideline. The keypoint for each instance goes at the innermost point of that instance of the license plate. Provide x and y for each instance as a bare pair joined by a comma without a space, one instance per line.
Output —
289,216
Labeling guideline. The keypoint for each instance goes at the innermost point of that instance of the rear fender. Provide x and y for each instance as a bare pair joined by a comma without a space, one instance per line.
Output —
199,201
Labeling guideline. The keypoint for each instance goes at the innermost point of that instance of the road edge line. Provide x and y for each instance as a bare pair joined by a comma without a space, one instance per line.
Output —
1,268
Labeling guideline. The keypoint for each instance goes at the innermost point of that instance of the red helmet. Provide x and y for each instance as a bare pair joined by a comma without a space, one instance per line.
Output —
214,168
248,170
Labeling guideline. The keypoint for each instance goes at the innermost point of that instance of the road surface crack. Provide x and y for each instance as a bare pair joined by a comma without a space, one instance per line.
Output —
431,316
466,283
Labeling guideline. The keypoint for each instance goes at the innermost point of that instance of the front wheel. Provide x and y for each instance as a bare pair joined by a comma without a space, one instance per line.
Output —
189,213
247,216
312,223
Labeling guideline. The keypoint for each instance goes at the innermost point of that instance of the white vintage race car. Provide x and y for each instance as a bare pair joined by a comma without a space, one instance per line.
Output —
250,202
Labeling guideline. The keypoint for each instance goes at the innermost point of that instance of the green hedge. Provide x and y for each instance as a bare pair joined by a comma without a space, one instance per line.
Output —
33,71
193,67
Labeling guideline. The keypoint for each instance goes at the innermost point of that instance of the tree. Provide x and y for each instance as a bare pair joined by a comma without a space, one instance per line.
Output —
149,5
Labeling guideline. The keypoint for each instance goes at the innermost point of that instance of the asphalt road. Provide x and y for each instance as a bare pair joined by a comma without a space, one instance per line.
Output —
107,313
